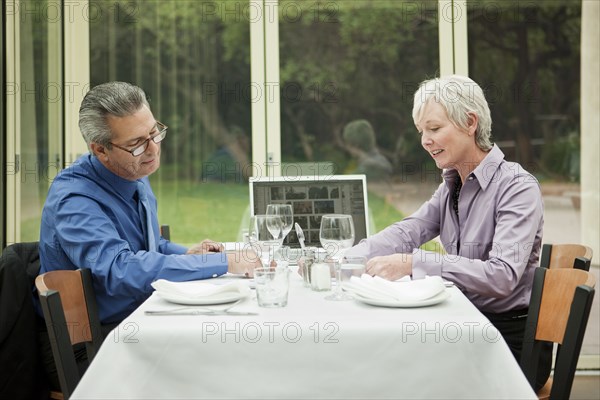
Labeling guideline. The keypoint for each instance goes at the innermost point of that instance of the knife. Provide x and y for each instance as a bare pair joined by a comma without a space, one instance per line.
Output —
299,234
197,312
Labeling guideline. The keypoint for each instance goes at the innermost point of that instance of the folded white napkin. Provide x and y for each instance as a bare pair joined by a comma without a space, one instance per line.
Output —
381,289
197,290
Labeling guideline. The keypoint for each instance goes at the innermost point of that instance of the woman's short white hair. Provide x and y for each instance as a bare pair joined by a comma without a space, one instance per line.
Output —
459,95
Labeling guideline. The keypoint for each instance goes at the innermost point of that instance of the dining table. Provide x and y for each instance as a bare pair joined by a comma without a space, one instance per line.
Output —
310,349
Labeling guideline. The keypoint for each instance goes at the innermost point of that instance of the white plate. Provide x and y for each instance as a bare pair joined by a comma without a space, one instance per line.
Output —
405,304
219,298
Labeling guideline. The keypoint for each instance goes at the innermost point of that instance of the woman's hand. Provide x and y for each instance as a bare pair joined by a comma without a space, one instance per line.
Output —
391,267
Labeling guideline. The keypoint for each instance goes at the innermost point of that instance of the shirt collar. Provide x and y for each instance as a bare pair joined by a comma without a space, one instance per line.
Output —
123,186
484,172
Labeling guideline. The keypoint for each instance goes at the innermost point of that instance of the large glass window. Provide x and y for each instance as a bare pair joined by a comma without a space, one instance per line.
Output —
39,94
2,137
193,60
526,56
349,70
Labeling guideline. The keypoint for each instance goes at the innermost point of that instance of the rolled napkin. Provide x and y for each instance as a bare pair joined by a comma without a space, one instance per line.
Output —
381,289
199,290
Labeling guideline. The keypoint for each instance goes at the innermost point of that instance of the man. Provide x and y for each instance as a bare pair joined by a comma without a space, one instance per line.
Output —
95,214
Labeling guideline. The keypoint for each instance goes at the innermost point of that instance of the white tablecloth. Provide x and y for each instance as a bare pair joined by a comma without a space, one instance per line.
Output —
312,348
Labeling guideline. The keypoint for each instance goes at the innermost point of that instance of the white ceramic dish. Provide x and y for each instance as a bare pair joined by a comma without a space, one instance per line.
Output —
403,304
219,298
201,292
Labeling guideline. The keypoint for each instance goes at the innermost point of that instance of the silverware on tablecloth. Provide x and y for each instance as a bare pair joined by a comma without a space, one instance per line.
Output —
191,311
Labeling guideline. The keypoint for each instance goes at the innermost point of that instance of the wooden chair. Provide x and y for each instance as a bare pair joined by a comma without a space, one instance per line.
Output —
562,256
69,307
559,309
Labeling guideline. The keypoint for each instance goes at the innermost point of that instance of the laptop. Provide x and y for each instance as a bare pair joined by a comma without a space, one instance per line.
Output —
312,197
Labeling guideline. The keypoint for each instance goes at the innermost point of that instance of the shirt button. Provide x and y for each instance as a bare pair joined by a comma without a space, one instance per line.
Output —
214,275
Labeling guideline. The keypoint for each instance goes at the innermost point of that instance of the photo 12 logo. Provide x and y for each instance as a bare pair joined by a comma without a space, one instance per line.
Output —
271,332
70,11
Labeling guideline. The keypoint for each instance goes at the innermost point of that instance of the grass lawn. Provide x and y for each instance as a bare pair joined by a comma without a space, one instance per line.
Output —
196,211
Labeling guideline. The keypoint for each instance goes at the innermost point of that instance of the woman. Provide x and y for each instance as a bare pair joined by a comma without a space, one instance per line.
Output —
488,212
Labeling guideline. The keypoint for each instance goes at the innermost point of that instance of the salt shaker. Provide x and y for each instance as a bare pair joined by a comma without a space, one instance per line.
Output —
320,277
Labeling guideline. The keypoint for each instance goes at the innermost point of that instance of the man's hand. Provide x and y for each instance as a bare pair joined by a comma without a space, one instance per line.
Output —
206,246
391,267
243,262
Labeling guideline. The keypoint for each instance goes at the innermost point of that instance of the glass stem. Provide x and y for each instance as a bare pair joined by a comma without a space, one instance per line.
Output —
338,277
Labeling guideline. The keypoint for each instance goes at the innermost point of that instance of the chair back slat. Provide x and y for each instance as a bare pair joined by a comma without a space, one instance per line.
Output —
70,288
563,255
568,354
559,284
69,305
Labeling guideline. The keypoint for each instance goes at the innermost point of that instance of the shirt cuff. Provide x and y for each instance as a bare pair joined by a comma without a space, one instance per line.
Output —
173,248
426,263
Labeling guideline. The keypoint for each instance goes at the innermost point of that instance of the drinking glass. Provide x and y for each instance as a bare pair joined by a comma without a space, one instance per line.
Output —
351,266
260,238
272,286
280,228
337,236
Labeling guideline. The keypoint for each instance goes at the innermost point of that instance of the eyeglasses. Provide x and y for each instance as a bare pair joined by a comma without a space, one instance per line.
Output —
140,149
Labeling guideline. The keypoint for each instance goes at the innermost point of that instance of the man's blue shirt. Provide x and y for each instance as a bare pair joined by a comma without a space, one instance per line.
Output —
91,220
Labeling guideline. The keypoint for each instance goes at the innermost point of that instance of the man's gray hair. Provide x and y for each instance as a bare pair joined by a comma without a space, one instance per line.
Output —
459,95
119,99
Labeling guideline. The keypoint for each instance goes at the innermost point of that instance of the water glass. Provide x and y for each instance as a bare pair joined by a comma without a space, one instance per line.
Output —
337,236
272,286
351,266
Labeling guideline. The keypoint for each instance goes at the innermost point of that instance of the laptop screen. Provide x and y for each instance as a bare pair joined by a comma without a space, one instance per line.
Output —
311,197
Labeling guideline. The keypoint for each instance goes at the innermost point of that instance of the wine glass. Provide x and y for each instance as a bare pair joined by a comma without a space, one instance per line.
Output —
274,225
260,237
280,229
337,236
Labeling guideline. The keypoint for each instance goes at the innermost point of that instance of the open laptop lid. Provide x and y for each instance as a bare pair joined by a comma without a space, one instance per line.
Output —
311,197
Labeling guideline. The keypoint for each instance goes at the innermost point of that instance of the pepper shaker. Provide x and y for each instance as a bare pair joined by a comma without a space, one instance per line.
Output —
308,259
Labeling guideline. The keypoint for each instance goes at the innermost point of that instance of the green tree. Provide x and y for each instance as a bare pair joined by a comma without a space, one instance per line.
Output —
527,57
